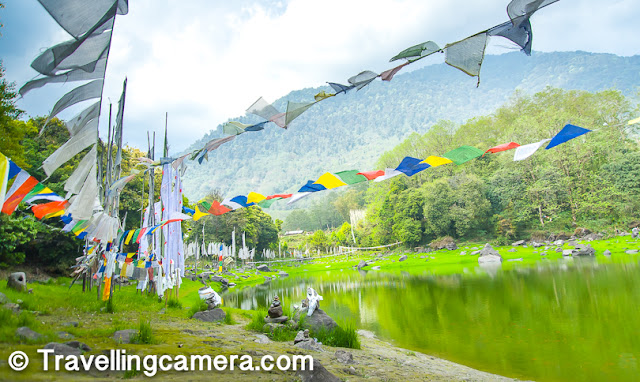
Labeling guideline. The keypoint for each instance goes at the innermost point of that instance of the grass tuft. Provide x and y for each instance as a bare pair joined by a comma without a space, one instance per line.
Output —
174,303
257,321
144,335
338,337
228,318
197,306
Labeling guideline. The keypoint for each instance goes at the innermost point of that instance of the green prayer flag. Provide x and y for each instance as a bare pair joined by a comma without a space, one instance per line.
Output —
351,176
416,52
463,154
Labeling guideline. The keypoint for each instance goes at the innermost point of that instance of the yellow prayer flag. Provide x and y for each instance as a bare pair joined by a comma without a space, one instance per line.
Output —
129,236
330,181
434,161
199,214
254,197
323,95
633,121
107,288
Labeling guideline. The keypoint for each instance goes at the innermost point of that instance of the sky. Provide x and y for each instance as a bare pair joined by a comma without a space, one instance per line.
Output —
204,62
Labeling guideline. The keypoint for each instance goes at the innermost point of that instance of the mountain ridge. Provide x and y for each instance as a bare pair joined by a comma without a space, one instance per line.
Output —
351,131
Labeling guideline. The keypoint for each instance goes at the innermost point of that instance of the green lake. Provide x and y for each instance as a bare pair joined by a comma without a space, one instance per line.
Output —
559,320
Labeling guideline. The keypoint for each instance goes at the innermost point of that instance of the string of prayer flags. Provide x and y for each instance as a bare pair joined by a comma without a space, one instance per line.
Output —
567,133
634,121
463,154
502,147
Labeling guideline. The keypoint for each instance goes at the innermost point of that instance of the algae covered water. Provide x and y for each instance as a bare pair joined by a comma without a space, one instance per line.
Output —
570,319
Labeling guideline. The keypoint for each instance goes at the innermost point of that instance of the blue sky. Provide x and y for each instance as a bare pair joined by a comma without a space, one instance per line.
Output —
206,61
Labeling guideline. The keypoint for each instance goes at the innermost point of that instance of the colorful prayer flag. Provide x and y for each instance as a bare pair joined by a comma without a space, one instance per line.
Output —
329,181
19,189
502,147
567,133
434,161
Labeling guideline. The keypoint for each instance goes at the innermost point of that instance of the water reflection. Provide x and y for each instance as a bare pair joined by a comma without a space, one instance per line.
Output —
565,319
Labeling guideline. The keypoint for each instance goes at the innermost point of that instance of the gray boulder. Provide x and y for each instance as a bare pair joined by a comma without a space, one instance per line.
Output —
263,268
635,232
311,344
318,320
212,315
376,268
262,339
344,357
517,243
510,250
17,281
631,251
451,246
362,264
536,244
318,374
276,320
62,349
402,258
283,274
558,242
567,252
217,279
3,298
606,252
24,333
583,250
303,335
78,345
124,336
489,255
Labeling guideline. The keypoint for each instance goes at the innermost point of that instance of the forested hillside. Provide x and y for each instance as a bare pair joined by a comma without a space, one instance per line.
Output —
352,131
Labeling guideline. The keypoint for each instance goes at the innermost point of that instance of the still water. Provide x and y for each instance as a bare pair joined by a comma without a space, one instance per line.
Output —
565,321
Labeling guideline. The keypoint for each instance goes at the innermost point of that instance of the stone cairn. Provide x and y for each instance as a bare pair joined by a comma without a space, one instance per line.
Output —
275,315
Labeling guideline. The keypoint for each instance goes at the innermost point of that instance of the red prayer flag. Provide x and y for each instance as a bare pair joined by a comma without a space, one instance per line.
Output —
502,147
142,232
218,209
282,196
42,210
14,199
371,175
